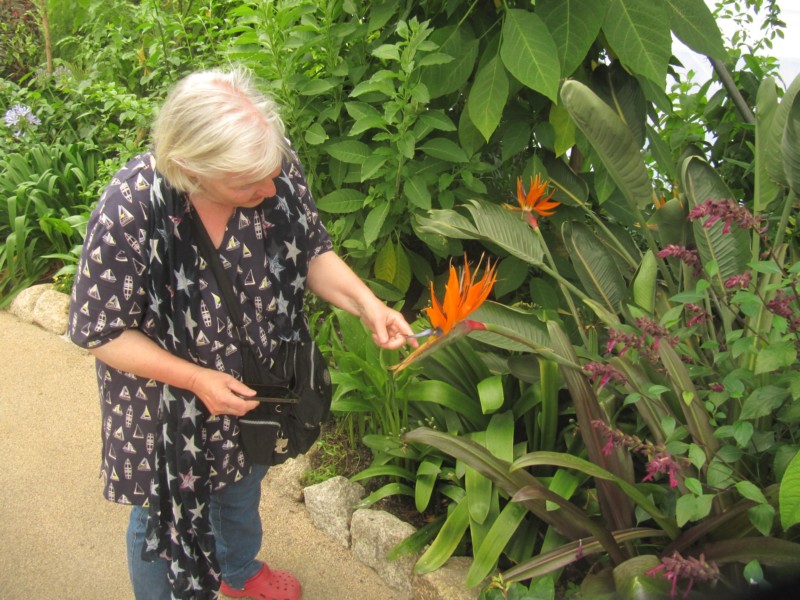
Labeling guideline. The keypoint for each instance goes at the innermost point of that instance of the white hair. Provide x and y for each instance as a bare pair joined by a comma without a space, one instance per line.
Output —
215,124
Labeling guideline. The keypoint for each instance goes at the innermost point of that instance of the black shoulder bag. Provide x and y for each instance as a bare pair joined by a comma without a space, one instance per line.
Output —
294,393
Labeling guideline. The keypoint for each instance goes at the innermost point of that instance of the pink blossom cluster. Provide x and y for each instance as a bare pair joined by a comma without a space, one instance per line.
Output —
660,461
727,211
605,373
676,567
647,342
782,305
683,254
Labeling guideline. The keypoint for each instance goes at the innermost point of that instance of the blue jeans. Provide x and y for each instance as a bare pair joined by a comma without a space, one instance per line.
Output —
237,532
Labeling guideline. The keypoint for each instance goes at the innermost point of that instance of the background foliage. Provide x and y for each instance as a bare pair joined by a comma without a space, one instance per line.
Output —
617,360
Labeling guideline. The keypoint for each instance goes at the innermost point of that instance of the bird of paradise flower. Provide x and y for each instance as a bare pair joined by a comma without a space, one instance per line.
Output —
534,201
448,319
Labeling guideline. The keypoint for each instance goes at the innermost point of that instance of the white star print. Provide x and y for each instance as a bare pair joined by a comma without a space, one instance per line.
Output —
293,251
298,283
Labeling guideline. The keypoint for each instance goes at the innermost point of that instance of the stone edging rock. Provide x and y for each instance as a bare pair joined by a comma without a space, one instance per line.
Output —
369,534
44,306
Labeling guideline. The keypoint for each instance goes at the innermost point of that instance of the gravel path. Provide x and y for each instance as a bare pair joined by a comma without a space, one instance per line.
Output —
59,538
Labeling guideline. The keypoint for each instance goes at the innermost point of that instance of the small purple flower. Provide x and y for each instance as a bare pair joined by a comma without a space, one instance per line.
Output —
19,118
716,387
699,315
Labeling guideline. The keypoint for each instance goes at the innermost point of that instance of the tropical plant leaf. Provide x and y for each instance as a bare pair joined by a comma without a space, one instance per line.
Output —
624,95
612,140
694,25
774,137
574,25
790,147
529,52
595,265
730,251
771,552
442,548
486,555
789,494
570,553
644,284
460,43
488,96
766,107
499,226
635,31
528,325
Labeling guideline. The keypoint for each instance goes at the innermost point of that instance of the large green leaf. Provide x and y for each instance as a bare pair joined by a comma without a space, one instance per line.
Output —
479,495
615,506
638,34
499,226
730,251
485,557
791,147
446,542
774,138
460,43
558,459
448,223
529,52
595,265
574,25
696,27
526,324
438,392
644,284
789,494
488,96
624,95
766,107
349,151
480,459
612,140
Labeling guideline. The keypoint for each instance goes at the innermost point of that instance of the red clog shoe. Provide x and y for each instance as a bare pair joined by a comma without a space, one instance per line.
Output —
267,585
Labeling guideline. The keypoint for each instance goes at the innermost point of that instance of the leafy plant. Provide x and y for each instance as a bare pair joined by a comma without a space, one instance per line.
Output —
692,386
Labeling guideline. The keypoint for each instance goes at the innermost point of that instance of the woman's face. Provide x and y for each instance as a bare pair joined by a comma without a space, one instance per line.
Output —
239,191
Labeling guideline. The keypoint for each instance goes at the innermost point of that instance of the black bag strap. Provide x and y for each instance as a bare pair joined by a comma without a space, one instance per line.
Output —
211,256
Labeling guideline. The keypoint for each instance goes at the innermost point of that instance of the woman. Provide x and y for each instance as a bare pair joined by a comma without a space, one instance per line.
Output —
147,306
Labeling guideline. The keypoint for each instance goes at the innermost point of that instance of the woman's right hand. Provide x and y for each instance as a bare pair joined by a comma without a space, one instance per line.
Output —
222,393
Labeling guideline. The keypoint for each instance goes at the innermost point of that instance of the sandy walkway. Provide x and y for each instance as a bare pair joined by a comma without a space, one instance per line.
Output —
58,537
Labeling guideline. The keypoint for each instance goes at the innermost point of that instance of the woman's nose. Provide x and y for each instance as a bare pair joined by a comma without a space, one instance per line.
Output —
267,188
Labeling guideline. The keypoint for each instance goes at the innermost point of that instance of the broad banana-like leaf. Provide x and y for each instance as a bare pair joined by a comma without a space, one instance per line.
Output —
615,506
491,223
558,459
612,140
570,553
730,251
622,93
644,283
595,265
766,107
485,557
671,222
571,190
791,147
526,324
773,158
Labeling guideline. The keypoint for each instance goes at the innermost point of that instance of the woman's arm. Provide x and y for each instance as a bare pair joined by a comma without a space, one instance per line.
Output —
333,281
132,351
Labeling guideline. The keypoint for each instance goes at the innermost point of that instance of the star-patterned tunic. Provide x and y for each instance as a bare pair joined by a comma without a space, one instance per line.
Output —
267,265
